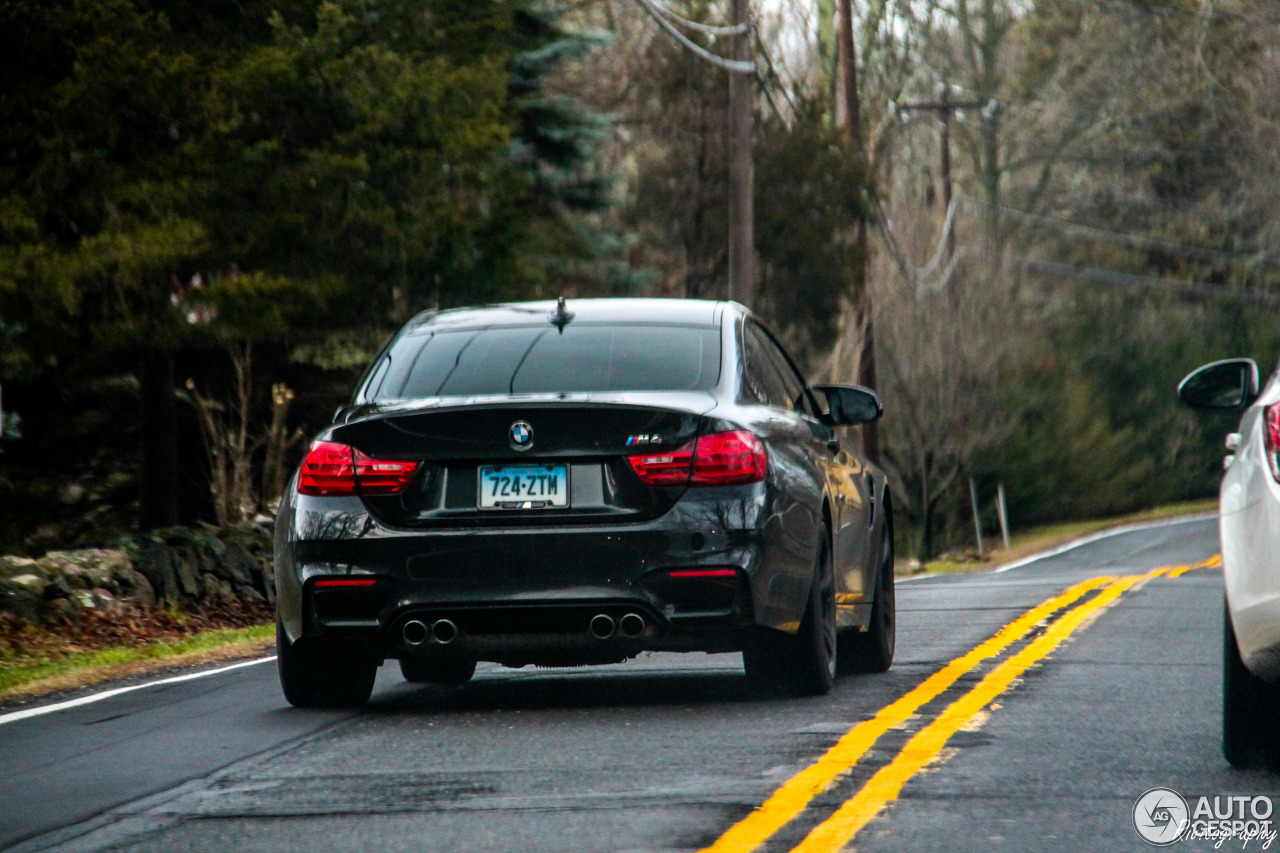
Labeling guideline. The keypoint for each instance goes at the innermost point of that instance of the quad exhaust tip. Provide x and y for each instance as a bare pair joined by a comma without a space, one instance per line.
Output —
414,632
632,625
442,631
601,626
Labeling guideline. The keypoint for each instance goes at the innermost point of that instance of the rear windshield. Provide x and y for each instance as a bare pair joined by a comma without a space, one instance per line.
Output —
531,360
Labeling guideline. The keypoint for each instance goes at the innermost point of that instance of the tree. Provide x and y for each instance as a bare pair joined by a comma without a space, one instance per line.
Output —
418,158
377,161
809,265
675,117
94,225
947,371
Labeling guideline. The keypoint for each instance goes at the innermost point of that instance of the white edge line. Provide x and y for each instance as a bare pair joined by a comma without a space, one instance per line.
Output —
1076,543
27,713
1103,534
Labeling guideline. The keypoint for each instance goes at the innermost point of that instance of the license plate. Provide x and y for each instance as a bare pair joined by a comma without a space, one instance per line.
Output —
524,487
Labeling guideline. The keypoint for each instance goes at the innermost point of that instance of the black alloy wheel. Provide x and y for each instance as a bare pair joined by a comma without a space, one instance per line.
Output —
437,671
316,674
1249,707
804,664
872,650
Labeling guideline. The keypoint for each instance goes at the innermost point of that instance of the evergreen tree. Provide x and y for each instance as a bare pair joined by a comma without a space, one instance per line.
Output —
314,165
810,205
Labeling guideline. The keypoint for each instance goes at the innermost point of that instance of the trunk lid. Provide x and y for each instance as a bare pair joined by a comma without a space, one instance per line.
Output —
589,436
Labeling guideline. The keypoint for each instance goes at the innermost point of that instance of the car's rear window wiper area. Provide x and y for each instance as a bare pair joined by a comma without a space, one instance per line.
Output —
582,358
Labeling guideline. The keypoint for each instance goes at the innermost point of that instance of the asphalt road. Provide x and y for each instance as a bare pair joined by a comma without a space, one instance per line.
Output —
1110,692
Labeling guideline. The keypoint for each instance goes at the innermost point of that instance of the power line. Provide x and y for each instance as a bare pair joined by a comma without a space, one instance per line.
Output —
768,96
1149,9
764,86
733,30
1143,282
927,281
1131,240
924,280
741,243
694,48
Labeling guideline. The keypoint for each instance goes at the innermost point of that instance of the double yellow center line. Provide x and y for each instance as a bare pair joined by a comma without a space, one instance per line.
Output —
836,831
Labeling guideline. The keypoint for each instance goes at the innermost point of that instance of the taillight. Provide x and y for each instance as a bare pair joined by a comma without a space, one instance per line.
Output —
333,469
664,469
1271,437
719,459
327,470
725,458
382,476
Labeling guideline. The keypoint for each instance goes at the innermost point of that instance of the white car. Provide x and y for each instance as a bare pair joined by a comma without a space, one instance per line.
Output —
1249,525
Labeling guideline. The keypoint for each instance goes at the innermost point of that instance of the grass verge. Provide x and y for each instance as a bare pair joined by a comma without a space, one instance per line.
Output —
73,670
1036,539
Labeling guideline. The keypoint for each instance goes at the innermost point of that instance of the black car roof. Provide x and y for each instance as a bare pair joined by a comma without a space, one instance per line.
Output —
699,312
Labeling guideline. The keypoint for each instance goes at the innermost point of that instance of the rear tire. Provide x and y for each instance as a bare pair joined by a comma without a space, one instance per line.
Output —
1250,707
438,671
872,650
803,664
317,674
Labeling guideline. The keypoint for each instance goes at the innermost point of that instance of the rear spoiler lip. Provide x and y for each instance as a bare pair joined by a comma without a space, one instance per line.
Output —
689,402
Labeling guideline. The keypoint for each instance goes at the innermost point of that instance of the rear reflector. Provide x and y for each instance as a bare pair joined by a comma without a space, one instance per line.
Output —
704,573
333,469
1271,437
329,583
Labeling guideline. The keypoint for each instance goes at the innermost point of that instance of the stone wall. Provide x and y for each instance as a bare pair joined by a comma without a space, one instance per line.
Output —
183,567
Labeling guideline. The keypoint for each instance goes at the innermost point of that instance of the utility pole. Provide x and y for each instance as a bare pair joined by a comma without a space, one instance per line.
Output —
742,73
741,168
861,296
849,78
946,108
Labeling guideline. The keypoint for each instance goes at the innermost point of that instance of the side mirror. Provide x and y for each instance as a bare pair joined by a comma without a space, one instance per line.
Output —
850,404
1228,386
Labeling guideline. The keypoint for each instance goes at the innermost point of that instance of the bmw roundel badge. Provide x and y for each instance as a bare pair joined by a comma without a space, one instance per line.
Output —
521,435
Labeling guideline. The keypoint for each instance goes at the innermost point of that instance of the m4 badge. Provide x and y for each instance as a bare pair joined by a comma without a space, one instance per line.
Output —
647,438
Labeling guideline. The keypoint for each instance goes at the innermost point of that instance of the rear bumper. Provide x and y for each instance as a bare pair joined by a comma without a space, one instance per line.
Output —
527,595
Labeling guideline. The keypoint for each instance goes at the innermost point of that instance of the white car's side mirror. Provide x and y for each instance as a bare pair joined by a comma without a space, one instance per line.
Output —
1233,441
1224,386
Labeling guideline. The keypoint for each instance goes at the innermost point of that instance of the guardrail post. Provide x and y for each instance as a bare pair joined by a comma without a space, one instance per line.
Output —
977,520
1004,516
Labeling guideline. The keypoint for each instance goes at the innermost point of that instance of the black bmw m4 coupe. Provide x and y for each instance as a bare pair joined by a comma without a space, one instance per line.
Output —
559,484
